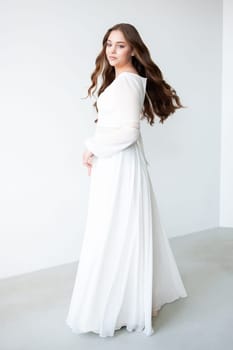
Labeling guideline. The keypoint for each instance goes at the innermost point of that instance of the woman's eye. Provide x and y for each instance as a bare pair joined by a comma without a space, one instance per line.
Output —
121,46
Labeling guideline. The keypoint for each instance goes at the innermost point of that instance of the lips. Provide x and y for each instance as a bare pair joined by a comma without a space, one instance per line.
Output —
112,57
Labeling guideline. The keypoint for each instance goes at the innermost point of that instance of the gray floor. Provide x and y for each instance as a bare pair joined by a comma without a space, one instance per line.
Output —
33,306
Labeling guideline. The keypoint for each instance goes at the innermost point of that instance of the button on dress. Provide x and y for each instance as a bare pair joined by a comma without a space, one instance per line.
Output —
126,269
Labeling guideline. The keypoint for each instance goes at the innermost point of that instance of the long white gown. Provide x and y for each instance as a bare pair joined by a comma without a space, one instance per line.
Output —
126,270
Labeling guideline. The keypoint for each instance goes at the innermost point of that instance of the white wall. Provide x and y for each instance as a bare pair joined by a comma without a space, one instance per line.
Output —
48,49
226,217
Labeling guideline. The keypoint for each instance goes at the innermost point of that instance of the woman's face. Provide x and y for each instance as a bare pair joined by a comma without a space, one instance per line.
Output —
118,51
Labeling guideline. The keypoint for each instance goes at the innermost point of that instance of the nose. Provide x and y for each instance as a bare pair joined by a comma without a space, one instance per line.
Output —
113,49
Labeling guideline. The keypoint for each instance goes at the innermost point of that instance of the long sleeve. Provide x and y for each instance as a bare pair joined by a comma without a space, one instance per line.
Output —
121,128
109,140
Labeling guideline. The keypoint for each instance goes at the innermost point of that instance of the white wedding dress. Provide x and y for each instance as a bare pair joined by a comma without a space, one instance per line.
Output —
126,270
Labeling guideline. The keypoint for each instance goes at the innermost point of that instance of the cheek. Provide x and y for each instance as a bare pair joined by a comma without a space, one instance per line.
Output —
124,54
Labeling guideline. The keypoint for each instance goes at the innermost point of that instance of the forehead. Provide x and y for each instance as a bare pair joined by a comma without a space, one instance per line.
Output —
115,36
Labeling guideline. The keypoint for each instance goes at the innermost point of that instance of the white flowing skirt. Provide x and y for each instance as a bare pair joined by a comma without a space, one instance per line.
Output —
126,270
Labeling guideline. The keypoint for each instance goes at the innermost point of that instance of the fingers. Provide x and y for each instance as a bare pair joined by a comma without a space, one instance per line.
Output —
87,162
89,166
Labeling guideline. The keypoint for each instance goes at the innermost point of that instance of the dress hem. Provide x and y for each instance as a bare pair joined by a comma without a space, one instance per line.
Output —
136,329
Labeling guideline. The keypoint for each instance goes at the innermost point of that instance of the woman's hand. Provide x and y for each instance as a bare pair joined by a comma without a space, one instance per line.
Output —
87,160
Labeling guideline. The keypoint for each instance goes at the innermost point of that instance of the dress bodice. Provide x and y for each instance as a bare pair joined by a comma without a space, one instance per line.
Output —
122,100
120,108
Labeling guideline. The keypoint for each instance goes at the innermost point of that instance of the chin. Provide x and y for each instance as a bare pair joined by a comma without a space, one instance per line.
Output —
112,64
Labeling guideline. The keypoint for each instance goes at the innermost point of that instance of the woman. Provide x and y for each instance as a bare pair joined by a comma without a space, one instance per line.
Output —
126,270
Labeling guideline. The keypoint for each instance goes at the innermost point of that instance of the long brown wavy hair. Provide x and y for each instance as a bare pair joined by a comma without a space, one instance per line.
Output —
160,99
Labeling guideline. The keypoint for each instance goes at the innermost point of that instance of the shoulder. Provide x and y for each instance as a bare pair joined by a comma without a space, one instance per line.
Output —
130,80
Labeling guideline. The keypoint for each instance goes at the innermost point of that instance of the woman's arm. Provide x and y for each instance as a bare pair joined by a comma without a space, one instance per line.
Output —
110,140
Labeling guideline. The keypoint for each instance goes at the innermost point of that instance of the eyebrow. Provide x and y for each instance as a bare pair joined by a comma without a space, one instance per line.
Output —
118,42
